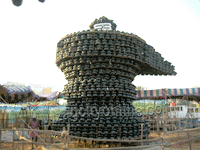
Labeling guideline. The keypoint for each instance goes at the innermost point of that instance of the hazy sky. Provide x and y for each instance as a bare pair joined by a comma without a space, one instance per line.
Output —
29,36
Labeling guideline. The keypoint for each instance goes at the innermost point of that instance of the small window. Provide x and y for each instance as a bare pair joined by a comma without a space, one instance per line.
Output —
196,110
190,110
177,109
172,108
181,108
168,109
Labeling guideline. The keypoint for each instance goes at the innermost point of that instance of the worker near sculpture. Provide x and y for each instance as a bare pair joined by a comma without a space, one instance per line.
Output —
34,124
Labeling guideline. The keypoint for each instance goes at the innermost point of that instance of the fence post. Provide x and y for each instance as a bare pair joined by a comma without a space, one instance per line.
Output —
141,135
153,120
48,117
189,141
13,138
12,121
5,118
21,118
27,116
180,143
16,124
158,128
22,136
0,133
162,137
65,138
68,138
1,118
45,129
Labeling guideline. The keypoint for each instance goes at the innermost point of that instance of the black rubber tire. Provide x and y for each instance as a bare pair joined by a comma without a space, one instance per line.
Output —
139,113
17,2
149,110
158,111
42,1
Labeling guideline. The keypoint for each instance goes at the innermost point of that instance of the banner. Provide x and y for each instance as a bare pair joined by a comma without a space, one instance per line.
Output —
170,92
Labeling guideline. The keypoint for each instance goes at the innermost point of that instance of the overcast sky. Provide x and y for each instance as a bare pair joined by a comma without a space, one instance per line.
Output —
29,36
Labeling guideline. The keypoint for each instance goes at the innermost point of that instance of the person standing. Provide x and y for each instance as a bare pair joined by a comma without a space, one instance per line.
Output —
34,124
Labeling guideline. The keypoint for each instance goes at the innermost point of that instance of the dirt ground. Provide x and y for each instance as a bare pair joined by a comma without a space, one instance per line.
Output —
75,144
194,146
19,147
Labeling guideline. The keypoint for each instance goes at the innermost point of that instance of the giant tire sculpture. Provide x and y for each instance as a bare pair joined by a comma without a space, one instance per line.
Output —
19,2
100,66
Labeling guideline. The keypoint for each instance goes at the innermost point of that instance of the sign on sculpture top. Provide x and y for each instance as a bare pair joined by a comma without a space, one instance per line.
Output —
103,21
103,26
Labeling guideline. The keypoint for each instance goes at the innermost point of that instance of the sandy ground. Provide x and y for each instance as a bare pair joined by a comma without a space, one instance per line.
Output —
7,136
195,146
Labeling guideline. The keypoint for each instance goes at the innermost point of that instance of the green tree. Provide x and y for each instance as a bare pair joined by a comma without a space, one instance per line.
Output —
140,88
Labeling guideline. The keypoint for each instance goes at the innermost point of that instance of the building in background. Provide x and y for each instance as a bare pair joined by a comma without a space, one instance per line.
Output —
47,90
13,84
140,88
35,91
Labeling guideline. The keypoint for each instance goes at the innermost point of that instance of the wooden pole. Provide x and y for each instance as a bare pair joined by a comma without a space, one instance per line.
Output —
162,136
16,120
144,109
0,134
165,116
13,139
158,127
45,128
188,111
68,132
179,136
1,117
48,117
22,136
12,123
141,135
4,118
26,116
163,122
65,137
154,117
189,141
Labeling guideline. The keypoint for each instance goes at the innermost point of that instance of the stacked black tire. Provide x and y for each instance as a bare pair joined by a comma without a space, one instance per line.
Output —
99,67
19,2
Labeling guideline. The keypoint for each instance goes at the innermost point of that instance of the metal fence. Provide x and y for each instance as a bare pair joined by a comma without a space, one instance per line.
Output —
13,135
